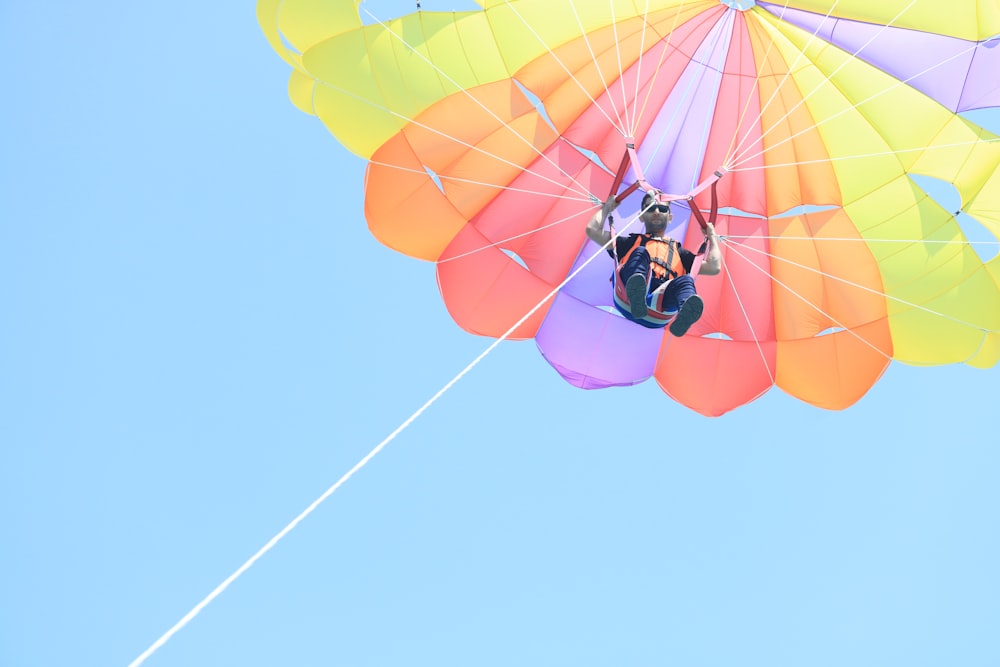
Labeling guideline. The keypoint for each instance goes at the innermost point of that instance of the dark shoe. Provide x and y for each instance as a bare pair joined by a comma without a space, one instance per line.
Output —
635,288
689,313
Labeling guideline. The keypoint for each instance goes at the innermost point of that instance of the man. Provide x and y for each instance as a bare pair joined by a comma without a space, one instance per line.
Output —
654,269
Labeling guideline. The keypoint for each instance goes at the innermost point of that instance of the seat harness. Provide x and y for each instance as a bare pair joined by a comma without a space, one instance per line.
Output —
664,254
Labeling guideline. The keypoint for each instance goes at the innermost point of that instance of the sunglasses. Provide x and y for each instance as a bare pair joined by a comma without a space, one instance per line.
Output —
662,208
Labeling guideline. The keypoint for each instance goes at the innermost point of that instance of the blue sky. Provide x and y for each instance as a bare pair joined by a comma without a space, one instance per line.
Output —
184,368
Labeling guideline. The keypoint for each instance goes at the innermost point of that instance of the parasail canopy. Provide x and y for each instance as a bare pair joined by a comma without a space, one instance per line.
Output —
493,135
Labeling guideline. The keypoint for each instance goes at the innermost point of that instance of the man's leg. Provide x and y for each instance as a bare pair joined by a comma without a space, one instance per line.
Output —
680,294
635,274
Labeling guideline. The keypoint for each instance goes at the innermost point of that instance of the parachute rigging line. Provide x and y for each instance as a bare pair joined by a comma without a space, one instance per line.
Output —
777,89
432,130
849,283
620,125
659,65
485,184
848,239
495,244
621,69
806,301
746,318
742,158
707,122
692,84
484,107
899,151
737,159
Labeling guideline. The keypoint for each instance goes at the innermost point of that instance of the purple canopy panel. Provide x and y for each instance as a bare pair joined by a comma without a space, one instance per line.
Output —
958,73
593,348
982,87
592,285
585,339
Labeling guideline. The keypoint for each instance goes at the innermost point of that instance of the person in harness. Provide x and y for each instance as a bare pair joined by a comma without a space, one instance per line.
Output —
654,271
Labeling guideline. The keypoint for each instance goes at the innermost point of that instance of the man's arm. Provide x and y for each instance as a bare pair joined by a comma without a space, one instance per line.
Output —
712,264
595,228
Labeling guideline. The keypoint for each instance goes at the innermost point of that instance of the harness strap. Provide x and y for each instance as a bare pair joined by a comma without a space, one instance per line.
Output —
614,239
631,159
713,211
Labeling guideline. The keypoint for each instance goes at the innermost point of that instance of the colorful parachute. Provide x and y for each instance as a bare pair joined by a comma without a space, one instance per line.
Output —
492,135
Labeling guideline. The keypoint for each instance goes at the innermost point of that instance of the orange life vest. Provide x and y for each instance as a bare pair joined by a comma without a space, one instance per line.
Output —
664,255
666,263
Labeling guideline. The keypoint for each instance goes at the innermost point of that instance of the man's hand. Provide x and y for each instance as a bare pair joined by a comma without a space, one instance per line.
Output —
610,205
595,228
713,255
